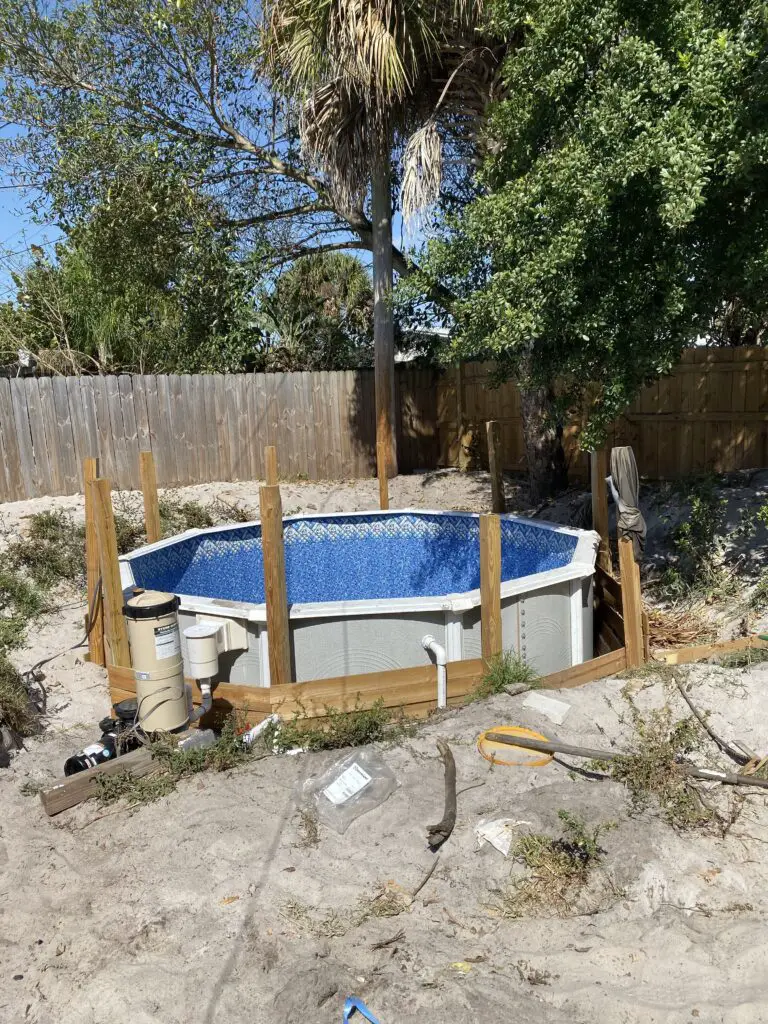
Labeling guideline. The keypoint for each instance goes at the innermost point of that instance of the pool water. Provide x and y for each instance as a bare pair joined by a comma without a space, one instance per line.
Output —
352,558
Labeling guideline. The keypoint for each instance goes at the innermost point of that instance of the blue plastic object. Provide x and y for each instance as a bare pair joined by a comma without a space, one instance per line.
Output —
352,1004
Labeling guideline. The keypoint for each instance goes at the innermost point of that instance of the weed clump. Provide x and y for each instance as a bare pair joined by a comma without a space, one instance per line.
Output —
653,770
51,551
502,671
558,869
339,729
16,711
697,567
178,516
173,764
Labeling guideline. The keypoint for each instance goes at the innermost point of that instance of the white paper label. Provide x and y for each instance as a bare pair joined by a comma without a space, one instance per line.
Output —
350,782
167,642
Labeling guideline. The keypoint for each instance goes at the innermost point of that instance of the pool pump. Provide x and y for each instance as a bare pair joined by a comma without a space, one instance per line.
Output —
163,702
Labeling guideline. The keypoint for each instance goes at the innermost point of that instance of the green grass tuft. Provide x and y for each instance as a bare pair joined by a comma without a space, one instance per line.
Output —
339,729
557,869
172,764
502,671
16,712
652,772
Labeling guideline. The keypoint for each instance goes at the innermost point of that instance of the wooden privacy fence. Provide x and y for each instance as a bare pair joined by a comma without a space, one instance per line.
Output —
711,413
202,427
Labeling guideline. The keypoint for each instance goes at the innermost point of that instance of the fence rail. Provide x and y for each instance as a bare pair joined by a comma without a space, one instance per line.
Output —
711,413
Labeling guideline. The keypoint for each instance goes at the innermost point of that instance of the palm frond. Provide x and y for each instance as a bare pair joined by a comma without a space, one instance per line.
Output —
422,171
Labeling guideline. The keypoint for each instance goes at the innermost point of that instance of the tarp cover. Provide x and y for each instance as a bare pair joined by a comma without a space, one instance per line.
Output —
627,486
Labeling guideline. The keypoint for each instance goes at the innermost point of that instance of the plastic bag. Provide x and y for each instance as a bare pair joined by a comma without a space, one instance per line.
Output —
351,786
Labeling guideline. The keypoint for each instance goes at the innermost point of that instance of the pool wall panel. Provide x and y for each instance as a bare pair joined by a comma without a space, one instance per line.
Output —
325,648
545,628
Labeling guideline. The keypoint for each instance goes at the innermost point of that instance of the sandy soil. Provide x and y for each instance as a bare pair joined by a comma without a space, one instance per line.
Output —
211,905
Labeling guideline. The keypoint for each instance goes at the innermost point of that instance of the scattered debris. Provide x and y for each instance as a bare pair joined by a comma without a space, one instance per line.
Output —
439,833
425,879
499,832
555,710
383,943
351,786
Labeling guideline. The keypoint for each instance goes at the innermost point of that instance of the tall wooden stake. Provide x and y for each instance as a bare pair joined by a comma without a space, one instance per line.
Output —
599,468
115,635
632,604
148,478
270,465
93,568
275,589
494,465
381,472
383,326
490,586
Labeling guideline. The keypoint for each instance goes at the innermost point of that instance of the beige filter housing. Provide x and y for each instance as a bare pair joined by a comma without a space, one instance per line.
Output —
153,635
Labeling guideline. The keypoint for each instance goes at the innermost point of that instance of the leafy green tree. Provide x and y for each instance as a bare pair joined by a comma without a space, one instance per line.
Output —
100,87
623,204
145,283
318,315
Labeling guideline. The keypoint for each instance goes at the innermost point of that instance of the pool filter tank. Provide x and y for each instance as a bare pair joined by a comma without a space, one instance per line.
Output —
153,635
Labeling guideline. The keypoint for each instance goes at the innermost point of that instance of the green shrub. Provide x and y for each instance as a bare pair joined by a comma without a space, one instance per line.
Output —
51,551
653,771
339,729
16,712
697,566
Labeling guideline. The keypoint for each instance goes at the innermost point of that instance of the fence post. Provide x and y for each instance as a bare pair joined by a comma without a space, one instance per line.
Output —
270,465
632,604
494,466
275,589
490,586
459,411
95,625
149,492
381,472
599,471
115,633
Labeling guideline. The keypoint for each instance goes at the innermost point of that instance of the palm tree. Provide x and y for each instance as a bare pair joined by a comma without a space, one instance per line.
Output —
374,76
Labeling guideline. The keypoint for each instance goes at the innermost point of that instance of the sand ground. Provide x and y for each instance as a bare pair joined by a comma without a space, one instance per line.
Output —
215,904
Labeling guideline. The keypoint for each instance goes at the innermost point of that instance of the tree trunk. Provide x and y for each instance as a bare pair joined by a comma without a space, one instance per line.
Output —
383,319
547,471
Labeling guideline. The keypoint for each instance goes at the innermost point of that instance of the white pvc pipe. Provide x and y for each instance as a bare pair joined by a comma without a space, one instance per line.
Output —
195,714
429,643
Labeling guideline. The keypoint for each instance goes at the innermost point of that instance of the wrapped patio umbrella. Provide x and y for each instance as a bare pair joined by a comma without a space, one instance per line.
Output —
624,483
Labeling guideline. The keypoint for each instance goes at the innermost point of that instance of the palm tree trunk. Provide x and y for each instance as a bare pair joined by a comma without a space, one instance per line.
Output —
383,318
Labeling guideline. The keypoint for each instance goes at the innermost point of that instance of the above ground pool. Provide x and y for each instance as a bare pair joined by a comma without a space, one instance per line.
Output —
364,588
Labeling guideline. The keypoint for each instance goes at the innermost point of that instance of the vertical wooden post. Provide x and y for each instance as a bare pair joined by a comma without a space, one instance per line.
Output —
632,604
148,478
383,326
381,472
93,568
490,586
494,466
115,635
599,468
270,465
275,589
459,412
